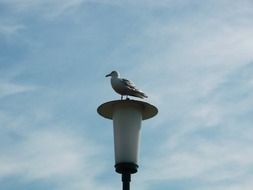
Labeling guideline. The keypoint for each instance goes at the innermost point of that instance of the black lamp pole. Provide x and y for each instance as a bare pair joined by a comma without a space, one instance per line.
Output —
126,169
126,178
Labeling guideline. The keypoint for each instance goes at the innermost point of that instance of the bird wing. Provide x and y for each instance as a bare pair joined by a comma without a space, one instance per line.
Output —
133,91
129,83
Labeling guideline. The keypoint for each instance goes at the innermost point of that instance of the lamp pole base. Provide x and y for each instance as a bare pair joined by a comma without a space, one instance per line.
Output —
126,169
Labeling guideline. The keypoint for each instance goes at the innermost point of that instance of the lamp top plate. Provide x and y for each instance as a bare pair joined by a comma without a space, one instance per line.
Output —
106,109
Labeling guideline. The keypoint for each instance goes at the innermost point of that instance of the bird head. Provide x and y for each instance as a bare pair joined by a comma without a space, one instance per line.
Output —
113,74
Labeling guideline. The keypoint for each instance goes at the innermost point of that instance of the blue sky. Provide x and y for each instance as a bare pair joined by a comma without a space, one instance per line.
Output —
193,58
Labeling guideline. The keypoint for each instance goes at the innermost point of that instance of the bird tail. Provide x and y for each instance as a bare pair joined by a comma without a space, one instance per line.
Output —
144,95
139,94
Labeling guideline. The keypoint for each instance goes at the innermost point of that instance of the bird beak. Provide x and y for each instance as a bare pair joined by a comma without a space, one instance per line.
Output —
108,75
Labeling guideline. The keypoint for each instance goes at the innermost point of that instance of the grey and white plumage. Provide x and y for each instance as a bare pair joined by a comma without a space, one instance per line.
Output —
124,87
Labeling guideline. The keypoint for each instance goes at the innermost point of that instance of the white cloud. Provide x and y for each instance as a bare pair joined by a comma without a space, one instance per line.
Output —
191,90
8,30
47,8
8,88
53,155
206,161
192,57
188,61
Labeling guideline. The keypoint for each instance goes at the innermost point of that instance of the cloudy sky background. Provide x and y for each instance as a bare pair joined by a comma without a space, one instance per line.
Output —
193,58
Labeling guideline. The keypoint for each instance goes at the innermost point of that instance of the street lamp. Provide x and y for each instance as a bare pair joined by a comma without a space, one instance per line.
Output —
127,116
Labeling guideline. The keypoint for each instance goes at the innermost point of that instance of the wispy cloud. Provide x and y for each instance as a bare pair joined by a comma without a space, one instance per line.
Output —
199,77
48,9
205,161
53,155
8,30
8,88
210,142
194,60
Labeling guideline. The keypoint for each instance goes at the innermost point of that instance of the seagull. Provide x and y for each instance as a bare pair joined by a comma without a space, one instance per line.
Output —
124,86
